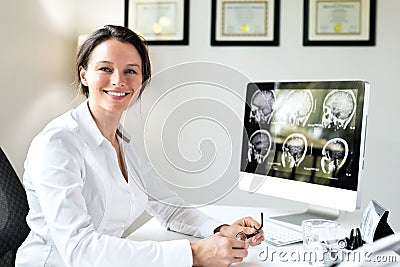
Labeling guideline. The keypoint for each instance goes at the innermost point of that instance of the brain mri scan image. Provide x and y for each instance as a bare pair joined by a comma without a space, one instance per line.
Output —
262,106
297,107
334,155
294,150
259,146
338,107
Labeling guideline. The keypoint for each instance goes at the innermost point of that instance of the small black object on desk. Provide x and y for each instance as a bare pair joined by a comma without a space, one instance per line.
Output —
352,242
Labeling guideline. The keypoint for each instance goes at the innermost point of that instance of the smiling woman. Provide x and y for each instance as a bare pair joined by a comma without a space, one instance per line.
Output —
113,77
113,34
86,182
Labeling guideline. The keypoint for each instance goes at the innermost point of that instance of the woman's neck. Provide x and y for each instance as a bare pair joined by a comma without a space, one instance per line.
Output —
107,122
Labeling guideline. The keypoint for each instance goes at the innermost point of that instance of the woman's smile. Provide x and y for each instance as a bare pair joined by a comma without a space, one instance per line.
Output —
118,95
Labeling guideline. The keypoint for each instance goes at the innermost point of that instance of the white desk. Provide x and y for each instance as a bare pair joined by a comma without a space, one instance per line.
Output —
277,256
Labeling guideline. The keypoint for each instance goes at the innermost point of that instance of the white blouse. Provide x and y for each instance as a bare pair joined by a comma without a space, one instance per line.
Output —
80,204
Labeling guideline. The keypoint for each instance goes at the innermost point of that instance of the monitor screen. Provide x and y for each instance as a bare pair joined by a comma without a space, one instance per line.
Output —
305,141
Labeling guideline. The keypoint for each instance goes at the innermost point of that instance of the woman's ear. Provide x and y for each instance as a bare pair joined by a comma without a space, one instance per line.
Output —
82,75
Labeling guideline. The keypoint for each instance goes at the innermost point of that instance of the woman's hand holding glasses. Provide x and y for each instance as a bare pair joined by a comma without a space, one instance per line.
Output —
245,229
229,244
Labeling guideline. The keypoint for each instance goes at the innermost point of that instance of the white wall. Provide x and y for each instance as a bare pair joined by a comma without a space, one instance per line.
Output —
38,47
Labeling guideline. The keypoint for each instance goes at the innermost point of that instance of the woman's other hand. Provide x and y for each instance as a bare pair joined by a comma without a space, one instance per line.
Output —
218,250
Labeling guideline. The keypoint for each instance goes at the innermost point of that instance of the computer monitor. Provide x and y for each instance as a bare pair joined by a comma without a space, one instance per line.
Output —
305,141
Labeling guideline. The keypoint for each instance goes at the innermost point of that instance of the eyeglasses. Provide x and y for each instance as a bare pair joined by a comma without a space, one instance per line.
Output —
242,236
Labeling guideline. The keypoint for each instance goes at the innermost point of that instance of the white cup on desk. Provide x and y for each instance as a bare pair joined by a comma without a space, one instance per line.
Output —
319,236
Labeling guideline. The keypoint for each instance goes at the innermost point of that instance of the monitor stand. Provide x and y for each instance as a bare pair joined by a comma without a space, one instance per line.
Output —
312,212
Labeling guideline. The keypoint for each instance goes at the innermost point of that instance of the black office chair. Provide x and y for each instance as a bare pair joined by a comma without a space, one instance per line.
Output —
13,211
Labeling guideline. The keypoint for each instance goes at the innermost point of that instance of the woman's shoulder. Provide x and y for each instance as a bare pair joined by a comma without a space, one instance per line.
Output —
59,132
64,124
67,123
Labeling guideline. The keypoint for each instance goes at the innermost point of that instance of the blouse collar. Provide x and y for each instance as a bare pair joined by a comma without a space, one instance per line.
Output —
91,131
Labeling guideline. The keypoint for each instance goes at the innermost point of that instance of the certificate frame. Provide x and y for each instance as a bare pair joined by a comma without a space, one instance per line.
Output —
339,22
159,22
245,22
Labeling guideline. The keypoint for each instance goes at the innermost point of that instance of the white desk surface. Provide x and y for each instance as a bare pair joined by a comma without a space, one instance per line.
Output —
153,231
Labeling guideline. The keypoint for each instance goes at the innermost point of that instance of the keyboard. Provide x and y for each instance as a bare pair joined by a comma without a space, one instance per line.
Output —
279,235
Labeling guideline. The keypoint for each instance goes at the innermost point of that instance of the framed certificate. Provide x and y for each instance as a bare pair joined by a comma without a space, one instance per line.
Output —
245,22
339,22
160,22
